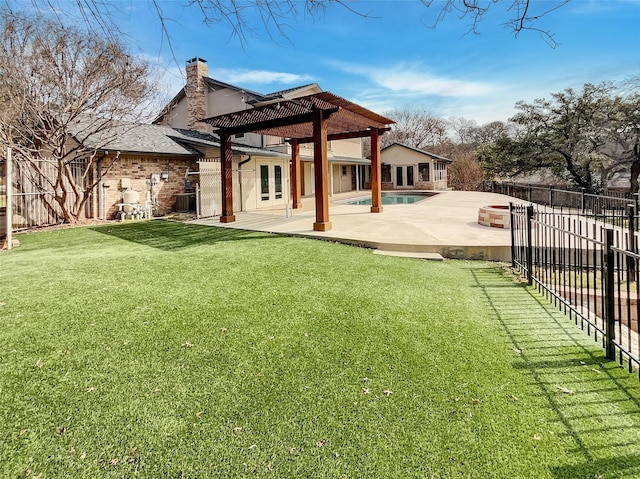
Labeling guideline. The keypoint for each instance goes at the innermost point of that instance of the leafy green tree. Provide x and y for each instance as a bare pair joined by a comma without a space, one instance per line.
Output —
566,134
622,133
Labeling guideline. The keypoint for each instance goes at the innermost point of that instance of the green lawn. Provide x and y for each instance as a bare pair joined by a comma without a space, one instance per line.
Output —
158,349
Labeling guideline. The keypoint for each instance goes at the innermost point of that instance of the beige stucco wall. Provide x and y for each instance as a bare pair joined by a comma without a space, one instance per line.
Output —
341,183
177,115
351,148
309,181
397,155
251,184
224,100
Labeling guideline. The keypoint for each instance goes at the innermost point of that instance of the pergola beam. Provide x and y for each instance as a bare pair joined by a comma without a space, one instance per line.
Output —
321,163
273,124
296,175
376,173
344,136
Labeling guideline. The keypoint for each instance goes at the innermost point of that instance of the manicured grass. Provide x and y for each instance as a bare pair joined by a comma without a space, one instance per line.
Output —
158,349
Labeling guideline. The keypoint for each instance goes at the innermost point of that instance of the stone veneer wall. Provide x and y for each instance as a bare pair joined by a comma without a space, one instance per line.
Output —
139,170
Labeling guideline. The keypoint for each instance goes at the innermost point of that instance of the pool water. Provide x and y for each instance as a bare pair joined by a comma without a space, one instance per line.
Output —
393,199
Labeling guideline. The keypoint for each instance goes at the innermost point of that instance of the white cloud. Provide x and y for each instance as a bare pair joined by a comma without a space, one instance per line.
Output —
247,77
414,79
400,79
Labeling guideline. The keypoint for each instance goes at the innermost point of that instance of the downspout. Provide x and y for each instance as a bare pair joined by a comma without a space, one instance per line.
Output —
240,180
100,194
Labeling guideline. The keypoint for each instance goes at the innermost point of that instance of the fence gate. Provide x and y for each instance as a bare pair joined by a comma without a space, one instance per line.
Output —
32,195
209,202
210,188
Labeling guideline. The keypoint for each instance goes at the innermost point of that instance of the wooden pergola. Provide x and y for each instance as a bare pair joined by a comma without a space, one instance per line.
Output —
316,119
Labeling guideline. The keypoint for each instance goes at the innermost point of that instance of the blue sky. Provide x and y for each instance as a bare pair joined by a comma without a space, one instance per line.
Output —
390,58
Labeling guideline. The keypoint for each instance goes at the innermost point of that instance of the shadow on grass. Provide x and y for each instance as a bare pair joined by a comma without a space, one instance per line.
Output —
173,235
596,403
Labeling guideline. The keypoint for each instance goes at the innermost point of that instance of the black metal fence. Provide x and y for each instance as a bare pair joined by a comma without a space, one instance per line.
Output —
588,268
608,207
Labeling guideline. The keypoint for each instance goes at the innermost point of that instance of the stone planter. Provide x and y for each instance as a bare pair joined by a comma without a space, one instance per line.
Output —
495,216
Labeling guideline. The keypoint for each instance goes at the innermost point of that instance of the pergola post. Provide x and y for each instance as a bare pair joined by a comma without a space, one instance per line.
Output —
226,156
321,166
376,172
296,175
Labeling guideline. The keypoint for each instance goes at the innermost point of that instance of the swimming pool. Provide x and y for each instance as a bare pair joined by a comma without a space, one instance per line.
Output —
393,198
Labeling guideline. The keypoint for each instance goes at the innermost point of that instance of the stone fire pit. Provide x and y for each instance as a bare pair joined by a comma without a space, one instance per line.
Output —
495,216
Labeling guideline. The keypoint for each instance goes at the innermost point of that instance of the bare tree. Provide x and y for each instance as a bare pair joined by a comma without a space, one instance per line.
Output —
415,127
63,89
523,14
465,173
246,18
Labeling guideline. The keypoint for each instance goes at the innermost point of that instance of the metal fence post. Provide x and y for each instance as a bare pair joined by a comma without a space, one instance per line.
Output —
9,200
582,199
631,243
529,193
513,235
529,245
551,196
609,300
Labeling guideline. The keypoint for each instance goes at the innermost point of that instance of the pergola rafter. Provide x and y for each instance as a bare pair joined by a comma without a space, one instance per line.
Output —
316,119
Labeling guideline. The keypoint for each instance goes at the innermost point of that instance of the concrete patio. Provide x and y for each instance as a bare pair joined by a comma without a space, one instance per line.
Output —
444,224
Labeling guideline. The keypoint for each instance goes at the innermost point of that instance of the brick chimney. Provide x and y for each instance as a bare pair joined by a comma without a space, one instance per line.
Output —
196,94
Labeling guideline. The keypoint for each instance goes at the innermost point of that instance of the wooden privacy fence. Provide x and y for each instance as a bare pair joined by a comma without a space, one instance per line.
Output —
32,197
208,182
588,268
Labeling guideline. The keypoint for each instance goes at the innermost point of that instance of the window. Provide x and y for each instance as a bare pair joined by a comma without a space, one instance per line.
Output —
278,178
399,178
385,176
409,175
264,182
423,171
344,170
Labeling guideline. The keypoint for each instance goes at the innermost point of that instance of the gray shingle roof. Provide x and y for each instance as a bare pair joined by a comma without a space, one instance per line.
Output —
151,139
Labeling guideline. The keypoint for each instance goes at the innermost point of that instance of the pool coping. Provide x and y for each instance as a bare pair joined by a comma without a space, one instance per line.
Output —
447,224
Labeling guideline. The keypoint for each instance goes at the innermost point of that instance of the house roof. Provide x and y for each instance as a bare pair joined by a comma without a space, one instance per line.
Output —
112,135
289,93
418,150
152,139
254,96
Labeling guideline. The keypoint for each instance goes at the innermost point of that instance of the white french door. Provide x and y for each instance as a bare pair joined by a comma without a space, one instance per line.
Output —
272,184
405,176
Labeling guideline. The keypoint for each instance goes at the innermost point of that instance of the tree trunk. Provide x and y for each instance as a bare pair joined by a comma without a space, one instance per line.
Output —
635,171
